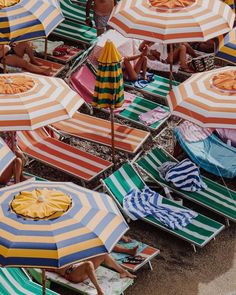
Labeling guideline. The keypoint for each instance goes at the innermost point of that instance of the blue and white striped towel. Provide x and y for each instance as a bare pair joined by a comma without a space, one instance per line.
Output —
138,204
184,175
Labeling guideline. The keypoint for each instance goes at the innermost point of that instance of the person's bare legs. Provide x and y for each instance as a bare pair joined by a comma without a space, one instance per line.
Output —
141,65
16,61
26,47
129,70
179,55
129,251
110,262
190,50
7,174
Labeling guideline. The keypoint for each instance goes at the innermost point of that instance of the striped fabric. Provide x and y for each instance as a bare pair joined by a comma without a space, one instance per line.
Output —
201,230
109,86
185,176
215,197
198,101
28,20
76,32
160,87
98,130
140,106
139,204
6,156
227,47
200,21
91,227
48,101
39,145
14,281
73,11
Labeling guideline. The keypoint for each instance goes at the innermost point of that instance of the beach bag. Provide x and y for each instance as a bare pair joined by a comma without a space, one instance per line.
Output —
203,63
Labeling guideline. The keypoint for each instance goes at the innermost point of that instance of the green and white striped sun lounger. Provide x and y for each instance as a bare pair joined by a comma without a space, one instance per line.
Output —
73,11
76,32
14,281
158,88
108,279
215,198
140,106
199,232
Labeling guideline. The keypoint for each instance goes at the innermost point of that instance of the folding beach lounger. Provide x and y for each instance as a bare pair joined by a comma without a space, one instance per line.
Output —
73,11
15,281
199,232
211,154
216,197
83,81
127,139
109,280
40,146
76,32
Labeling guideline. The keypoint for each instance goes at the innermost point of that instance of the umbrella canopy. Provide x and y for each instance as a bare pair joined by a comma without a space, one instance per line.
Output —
29,101
171,21
6,156
109,87
207,99
227,47
54,224
22,20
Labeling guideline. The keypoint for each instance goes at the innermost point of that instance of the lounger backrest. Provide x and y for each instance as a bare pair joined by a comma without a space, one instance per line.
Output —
123,180
39,145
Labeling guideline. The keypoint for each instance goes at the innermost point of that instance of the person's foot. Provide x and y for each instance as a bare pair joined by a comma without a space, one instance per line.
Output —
126,239
126,274
133,251
100,292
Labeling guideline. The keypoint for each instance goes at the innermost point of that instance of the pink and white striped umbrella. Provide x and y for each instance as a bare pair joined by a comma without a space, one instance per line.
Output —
170,21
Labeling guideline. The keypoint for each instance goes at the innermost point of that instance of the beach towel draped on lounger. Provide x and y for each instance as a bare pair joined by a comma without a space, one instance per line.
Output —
184,175
138,204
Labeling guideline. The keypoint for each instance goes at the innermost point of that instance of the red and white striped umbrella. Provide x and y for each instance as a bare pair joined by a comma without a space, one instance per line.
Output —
207,99
29,101
170,21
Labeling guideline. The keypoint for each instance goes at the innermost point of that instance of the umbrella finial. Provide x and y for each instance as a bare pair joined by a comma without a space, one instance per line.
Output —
8,81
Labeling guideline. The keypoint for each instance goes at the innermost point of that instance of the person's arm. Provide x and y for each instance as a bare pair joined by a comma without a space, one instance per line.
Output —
88,8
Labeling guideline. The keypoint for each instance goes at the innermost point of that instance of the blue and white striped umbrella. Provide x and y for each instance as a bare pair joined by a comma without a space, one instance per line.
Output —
91,226
28,19
6,156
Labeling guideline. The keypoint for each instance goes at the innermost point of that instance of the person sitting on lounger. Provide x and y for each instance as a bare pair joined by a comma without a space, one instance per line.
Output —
17,165
132,72
14,57
86,269
180,52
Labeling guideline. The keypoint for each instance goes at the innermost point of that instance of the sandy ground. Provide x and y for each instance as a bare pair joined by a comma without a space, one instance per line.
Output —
177,270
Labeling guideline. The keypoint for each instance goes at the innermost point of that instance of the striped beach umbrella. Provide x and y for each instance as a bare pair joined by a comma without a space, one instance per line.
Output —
227,47
22,20
109,86
231,4
6,156
172,21
30,101
207,99
55,224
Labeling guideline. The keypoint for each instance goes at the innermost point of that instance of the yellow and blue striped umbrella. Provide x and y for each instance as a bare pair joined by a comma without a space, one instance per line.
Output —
6,156
227,47
91,226
28,19
109,87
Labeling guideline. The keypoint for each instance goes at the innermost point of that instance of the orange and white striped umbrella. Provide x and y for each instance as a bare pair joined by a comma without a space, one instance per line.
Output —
170,21
207,99
29,101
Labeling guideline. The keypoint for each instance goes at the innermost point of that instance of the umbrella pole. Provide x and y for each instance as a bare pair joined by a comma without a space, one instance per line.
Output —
44,281
3,59
112,135
45,48
13,144
171,66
